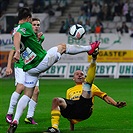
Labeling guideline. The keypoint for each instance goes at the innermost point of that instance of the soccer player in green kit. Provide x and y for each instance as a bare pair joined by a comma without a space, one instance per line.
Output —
36,59
20,79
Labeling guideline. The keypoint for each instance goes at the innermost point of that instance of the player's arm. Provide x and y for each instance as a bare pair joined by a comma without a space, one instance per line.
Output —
111,101
17,40
10,57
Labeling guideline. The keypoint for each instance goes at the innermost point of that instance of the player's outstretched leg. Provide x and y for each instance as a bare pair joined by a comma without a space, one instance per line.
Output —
94,45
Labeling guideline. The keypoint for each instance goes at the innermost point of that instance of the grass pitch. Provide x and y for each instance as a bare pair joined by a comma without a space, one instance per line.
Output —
105,118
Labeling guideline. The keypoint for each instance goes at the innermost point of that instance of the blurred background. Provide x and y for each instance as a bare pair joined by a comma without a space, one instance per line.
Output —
109,21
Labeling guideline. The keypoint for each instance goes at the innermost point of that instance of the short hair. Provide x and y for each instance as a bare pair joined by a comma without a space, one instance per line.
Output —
35,19
24,13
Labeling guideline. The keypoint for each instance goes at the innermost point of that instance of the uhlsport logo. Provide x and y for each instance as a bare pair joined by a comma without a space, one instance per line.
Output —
29,82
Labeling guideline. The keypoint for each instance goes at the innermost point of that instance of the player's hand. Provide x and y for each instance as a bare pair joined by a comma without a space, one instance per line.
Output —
16,56
8,71
120,104
39,35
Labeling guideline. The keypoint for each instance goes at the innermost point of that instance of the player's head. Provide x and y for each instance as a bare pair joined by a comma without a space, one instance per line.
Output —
79,77
36,24
25,14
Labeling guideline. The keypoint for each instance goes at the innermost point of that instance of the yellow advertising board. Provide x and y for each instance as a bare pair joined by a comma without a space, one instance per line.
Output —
114,56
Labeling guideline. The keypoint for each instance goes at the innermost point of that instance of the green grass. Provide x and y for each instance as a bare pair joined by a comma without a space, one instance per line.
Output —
105,118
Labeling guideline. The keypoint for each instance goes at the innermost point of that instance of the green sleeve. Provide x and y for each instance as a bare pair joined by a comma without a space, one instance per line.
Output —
41,39
26,29
13,48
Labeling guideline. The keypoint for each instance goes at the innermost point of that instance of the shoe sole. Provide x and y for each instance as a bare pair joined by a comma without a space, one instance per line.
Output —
27,122
51,132
30,123
11,130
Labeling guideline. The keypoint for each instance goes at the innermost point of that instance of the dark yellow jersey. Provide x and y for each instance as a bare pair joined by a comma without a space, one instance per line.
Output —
75,92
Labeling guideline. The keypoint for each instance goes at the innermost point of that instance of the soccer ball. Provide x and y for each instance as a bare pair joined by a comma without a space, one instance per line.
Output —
77,31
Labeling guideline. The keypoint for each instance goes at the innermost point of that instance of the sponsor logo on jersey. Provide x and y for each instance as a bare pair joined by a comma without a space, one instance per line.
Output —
28,55
29,82
23,30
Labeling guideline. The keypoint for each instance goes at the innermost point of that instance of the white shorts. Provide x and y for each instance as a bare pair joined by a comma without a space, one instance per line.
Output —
51,57
20,76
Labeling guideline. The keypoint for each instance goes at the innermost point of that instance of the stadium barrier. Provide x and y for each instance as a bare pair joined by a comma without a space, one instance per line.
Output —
66,70
115,57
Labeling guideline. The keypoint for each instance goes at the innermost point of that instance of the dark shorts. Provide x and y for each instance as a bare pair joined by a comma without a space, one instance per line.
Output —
77,109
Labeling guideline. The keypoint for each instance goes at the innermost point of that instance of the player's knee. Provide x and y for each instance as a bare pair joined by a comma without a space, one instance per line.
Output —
61,48
20,88
55,100
55,103
36,91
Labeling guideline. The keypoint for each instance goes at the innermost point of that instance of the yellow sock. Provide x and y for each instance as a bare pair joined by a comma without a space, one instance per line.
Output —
91,73
55,117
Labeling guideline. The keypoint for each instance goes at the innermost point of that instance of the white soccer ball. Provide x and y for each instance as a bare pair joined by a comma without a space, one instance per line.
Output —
77,31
